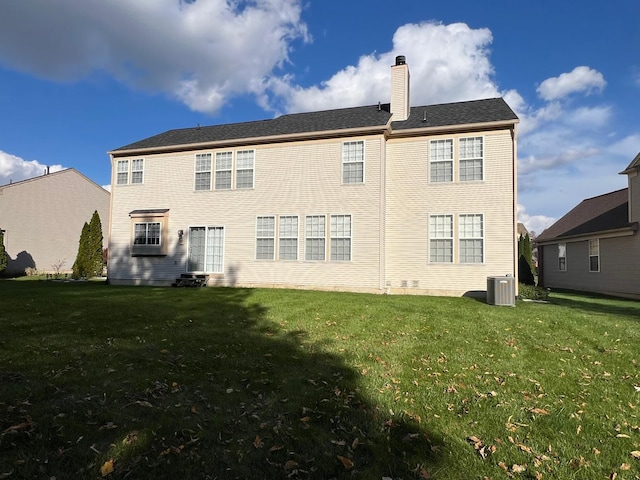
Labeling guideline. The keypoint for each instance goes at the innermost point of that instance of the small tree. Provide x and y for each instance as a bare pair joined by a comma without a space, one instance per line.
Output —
80,265
4,260
89,261
525,260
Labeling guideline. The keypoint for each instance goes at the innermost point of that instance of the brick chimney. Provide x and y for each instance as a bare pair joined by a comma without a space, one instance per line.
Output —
400,90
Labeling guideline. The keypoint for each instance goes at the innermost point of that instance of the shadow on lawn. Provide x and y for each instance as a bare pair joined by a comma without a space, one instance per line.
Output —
186,383
599,304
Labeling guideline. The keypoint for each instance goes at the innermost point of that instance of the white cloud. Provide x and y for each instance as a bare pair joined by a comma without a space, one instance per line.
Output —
447,63
581,79
13,168
201,52
536,224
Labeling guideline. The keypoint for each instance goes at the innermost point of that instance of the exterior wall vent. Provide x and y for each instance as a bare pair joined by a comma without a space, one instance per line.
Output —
501,291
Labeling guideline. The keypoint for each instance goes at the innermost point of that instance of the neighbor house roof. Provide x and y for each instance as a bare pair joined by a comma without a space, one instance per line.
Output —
356,118
634,165
594,215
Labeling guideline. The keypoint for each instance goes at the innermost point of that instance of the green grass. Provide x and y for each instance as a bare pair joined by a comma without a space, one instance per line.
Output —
145,383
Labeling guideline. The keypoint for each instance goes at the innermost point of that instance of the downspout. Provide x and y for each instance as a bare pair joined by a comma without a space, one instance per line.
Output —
514,137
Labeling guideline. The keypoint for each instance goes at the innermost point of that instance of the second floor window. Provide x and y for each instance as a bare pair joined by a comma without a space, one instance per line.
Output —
122,172
244,168
471,158
353,162
441,160
203,171
224,164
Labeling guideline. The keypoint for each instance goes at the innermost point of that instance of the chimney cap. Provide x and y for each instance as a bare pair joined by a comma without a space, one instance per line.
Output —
401,60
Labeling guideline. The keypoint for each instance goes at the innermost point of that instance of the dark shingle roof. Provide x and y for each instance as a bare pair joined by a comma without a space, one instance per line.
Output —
459,113
372,116
598,214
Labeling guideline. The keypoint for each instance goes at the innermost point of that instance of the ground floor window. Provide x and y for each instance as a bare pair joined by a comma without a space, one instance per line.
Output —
149,232
206,249
562,257
594,255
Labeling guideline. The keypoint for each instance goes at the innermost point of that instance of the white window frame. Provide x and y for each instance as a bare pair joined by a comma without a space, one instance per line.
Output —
315,234
288,233
137,171
245,162
353,155
152,235
223,164
562,257
468,154
122,172
341,238
202,170
213,250
469,233
594,253
440,235
266,237
441,153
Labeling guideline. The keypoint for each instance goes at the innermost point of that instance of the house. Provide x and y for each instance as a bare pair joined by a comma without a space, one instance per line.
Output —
596,247
42,219
382,198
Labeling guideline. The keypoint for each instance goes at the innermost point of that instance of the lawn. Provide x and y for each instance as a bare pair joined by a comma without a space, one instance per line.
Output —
99,381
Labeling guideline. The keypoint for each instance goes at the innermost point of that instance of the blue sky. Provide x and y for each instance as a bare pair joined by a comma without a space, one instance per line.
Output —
81,77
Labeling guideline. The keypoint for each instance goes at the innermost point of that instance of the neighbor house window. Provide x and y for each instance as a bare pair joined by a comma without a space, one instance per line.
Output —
265,238
340,237
594,255
315,237
203,171
147,233
137,170
441,160
471,237
288,238
562,257
353,162
224,163
122,172
471,156
244,168
441,238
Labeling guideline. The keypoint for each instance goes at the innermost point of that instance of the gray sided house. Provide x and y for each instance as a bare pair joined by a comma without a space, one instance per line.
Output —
42,219
384,198
596,247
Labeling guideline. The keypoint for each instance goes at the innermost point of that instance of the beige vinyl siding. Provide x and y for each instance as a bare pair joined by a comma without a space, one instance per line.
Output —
411,199
43,218
301,178
619,273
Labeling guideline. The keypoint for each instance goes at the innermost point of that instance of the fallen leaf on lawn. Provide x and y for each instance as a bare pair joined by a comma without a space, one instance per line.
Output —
518,468
356,442
20,426
106,468
6,475
539,411
275,448
622,435
348,464
257,442
290,465
635,454
143,403
625,466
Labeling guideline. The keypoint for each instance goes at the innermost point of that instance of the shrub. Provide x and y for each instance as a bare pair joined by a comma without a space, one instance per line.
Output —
531,292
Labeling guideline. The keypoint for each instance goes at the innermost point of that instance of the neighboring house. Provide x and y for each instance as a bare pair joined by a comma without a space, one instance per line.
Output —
380,198
43,218
596,247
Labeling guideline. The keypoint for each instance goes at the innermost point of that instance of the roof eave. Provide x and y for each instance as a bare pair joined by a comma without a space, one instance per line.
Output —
631,229
452,128
377,129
